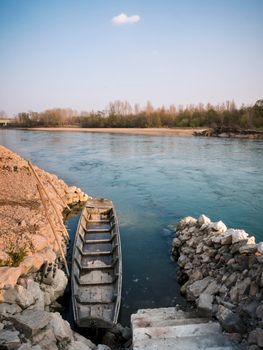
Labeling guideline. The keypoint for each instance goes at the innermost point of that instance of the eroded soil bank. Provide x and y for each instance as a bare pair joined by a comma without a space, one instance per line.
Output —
32,273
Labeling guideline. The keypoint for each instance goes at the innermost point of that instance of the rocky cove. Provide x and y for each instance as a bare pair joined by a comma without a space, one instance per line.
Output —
221,272
32,274
220,269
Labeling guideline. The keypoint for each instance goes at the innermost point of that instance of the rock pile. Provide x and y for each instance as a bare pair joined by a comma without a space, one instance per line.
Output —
221,270
231,132
25,318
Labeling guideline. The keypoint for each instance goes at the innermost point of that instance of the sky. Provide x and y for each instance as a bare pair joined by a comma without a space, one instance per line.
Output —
82,54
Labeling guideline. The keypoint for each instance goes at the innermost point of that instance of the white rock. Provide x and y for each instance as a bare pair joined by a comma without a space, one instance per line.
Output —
216,239
24,297
251,240
9,309
260,247
237,235
85,341
203,220
218,226
59,284
204,304
34,289
188,221
77,345
60,327
103,347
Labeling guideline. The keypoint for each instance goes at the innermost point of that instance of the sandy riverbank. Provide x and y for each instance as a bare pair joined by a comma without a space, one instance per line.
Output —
129,131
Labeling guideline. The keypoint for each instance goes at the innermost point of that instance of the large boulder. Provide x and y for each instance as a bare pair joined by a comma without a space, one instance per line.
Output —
61,328
30,322
230,321
9,339
194,290
205,304
34,289
9,309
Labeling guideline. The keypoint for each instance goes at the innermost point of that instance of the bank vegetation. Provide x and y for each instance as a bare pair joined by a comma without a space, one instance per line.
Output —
121,114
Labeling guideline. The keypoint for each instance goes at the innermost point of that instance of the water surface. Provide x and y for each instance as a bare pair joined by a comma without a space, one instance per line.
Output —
154,181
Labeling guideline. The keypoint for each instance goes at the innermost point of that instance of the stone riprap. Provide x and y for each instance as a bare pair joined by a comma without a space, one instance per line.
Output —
29,288
221,271
31,283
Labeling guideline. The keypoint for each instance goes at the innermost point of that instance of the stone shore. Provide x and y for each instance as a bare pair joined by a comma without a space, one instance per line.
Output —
31,271
221,272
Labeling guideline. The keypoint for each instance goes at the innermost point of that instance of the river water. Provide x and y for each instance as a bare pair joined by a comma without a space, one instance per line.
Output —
153,181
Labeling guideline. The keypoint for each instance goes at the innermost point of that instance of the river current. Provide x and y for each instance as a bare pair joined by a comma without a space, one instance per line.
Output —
153,181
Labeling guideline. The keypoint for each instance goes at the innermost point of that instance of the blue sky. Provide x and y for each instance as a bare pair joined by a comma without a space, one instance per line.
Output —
65,53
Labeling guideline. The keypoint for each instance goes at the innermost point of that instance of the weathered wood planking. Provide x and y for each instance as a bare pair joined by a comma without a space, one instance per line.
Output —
97,266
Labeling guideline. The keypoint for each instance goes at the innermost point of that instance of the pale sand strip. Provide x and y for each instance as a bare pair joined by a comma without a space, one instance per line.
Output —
130,131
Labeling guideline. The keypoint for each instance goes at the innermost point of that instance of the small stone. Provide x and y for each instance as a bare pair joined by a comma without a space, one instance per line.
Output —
176,243
9,339
252,337
248,249
85,341
24,297
226,239
251,240
237,235
27,347
103,347
218,226
31,321
204,304
203,220
253,347
34,289
229,320
196,275
60,327
109,339
182,260
187,221
126,333
195,289
259,311
46,339
259,335
9,309
77,345
260,247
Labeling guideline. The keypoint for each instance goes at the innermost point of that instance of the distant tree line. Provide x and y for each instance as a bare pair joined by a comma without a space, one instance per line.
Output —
122,115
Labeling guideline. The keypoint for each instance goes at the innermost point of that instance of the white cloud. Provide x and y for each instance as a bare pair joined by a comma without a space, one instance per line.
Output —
125,19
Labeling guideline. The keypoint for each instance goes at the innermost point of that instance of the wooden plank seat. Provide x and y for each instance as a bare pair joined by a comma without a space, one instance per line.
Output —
107,240
84,267
96,277
96,282
94,295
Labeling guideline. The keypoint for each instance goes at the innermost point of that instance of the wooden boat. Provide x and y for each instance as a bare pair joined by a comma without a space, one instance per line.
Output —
97,266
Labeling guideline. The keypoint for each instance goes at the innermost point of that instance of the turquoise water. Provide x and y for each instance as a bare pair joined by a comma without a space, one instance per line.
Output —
154,181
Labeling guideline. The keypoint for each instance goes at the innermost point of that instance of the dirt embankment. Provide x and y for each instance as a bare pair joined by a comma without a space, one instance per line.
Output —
26,238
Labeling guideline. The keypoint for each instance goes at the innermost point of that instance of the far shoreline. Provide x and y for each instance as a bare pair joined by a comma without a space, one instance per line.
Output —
128,131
